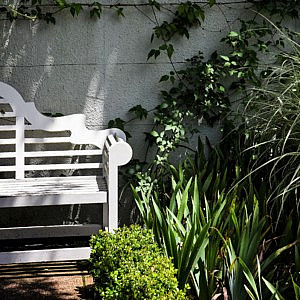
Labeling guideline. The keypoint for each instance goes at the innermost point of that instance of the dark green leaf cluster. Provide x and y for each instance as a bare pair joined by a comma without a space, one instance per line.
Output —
39,10
187,15
127,264
199,92
281,8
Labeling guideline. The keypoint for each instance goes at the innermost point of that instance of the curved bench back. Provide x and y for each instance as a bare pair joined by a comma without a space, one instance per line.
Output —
30,141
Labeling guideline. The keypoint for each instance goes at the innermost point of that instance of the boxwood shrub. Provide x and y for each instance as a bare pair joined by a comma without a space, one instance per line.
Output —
128,264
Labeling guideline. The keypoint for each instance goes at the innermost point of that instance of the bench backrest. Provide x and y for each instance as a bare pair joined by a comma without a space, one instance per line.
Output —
30,141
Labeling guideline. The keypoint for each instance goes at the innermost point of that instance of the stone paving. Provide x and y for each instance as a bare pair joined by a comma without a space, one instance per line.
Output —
49,281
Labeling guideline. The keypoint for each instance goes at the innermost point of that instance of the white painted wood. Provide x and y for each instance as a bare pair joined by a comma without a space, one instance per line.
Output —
74,123
7,169
20,148
7,114
7,141
54,199
48,231
7,154
51,140
63,166
52,191
62,153
120,153
64,254
23,192
8,127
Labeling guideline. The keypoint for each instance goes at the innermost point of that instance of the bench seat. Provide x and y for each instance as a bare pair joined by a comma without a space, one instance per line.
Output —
45,191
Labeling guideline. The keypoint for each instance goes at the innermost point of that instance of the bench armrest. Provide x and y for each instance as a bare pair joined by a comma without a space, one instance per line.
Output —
116,152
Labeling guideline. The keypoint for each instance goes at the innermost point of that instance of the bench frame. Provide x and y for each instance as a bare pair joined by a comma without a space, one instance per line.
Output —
112,146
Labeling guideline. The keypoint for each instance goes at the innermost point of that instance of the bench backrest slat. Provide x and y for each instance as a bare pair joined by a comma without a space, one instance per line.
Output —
20,148
63,166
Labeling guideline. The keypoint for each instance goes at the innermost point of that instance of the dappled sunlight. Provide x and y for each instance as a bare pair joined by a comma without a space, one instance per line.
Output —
36,84
96,93
6,33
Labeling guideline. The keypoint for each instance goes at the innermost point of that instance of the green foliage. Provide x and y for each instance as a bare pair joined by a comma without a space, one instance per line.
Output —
272,115
215,213
129,265
186,15
212,231
203,90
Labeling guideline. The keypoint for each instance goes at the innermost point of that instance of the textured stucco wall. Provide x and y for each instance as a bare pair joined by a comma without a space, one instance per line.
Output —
99,67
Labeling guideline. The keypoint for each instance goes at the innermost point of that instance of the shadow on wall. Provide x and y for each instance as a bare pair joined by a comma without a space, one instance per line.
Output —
55,67
52,66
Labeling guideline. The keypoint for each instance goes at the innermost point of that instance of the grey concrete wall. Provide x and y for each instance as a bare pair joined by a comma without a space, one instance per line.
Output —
99,67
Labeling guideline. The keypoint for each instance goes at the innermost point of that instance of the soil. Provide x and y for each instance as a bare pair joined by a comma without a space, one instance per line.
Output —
51,281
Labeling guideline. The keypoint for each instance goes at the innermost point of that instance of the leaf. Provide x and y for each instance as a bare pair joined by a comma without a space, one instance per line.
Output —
274,255
233,34
61,3
249,277
184,200
226,58
75,8
170,50
140,112
151,53
207,183
296,289
120,12
211,2
154,133
249,292
272,289
197,248
164,78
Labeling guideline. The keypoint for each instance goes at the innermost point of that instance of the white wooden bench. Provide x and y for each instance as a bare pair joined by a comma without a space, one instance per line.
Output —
29,143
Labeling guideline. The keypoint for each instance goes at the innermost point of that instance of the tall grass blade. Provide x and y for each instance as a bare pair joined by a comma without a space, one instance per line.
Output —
296,289
249,277
272,289
274,255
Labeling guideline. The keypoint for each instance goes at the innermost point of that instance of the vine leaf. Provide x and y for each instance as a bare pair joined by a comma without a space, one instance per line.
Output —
75,8
164,78
120,12
139,111
212,2
61,3
170,50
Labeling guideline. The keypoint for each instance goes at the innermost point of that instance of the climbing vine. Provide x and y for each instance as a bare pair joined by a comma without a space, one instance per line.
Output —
204,89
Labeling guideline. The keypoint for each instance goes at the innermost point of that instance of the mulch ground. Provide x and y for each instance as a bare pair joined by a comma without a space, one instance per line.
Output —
51,281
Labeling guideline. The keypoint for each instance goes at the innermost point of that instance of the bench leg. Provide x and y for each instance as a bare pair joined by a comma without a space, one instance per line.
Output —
110,217
105,216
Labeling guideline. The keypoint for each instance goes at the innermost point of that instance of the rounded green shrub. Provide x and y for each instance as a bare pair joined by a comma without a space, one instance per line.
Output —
128,264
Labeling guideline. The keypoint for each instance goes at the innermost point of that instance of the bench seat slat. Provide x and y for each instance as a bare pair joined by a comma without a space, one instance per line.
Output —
54,199
75,185
63,166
